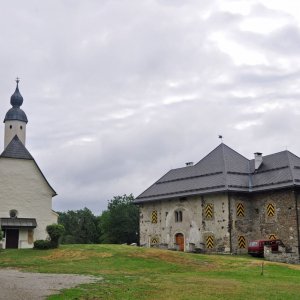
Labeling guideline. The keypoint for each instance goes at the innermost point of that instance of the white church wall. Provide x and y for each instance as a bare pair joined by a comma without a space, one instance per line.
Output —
24,189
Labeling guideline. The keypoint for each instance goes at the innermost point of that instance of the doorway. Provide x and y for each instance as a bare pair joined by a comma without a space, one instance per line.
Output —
12,238
179,238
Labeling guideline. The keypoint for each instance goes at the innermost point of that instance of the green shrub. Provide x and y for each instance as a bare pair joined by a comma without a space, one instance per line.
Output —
55,231
42,244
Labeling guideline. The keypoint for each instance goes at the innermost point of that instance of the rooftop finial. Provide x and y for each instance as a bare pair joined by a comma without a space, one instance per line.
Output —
221,138
16,99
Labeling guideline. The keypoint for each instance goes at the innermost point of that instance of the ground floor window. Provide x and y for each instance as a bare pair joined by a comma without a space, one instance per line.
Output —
209,241
242,242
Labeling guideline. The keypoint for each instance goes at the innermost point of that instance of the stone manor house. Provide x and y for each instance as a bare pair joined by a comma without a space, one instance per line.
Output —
222,202
26,195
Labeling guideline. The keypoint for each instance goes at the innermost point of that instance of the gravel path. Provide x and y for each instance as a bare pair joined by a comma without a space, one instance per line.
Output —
16,285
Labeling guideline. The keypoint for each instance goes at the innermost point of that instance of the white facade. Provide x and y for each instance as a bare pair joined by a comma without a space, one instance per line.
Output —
24,189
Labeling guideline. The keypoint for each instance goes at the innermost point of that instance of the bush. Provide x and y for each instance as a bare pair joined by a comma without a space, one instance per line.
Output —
55,231
42,244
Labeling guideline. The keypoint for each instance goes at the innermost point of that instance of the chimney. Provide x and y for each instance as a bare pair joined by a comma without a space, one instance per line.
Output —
258,159
189,164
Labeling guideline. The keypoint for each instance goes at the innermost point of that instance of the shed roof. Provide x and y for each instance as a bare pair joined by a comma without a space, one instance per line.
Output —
18,223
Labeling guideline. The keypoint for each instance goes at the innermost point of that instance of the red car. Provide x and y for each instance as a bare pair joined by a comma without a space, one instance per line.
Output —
256,248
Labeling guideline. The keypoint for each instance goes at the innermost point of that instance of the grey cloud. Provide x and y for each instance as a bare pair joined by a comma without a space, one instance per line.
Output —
119,92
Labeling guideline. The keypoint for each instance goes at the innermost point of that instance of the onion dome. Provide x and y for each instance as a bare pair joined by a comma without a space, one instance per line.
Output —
16,113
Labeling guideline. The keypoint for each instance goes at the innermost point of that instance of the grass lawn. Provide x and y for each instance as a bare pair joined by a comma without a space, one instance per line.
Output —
140,273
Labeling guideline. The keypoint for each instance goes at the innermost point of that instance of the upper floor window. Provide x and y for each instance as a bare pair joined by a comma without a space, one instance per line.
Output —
178,216
154,217
209,211
240,210
271,210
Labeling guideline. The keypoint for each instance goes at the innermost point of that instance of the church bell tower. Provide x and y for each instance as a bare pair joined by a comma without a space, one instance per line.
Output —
15,119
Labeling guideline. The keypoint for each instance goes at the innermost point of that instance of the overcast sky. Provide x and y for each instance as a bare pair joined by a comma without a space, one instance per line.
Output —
118,92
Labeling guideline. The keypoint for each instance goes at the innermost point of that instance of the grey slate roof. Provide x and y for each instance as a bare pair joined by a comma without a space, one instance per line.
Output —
16,113
16,149
224,169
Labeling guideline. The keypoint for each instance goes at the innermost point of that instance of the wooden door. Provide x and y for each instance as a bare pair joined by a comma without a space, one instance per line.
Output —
180,241
12,238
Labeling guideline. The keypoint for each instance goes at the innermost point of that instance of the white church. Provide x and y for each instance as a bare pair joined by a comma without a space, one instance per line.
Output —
26,195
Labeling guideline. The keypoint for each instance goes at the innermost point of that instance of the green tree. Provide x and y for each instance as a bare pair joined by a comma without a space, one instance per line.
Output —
120,222
81,227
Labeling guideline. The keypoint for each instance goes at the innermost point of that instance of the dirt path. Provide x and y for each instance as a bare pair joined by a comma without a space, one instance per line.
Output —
16,285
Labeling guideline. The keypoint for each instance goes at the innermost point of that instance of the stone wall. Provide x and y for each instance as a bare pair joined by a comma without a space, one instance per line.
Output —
266,215
203,219
283,256
283,224
221,222
241,222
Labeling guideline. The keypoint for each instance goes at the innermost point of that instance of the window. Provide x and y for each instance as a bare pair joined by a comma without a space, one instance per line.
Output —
154,217
240,210
30,236
154,240
242,242
13,213
272,236
209,242
178,216
209,211
10,126
270,210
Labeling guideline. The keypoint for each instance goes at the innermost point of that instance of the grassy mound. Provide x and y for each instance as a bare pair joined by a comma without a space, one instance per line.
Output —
140,273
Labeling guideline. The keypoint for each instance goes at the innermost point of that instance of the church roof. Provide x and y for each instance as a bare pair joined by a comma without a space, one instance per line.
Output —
224,169
16,149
